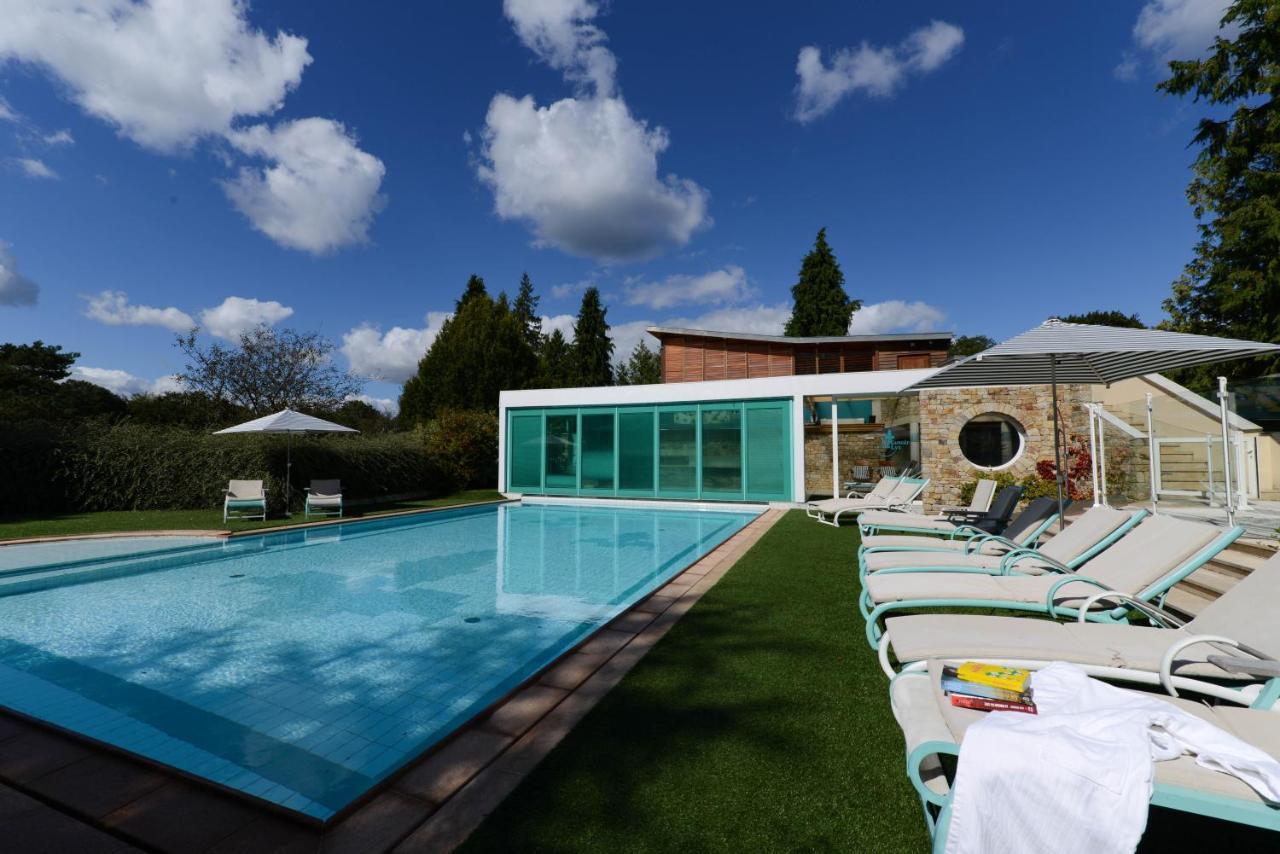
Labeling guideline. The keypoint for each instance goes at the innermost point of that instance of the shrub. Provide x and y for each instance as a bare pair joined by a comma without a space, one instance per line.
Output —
139,467
465,442
1033,485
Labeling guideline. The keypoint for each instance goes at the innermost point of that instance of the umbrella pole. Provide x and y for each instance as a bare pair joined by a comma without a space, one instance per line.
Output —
1057,444
288,471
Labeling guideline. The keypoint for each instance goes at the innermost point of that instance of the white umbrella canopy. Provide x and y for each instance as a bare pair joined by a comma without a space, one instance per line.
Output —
1055,352
289,422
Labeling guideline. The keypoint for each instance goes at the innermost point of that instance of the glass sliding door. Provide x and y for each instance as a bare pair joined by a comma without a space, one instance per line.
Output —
678,452
768,426
636,451
562,452
524,452
721,447
598,457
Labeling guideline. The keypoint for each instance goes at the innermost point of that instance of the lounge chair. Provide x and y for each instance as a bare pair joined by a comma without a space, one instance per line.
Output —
933,729
1096,529
1173,653
324,498
1159,552
243,498
1023,532
995,513
900,492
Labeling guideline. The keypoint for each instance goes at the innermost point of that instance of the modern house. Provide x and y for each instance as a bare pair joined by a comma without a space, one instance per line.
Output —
739,417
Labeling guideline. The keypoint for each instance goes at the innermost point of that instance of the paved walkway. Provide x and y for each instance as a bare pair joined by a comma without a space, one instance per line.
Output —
59,793
1260,520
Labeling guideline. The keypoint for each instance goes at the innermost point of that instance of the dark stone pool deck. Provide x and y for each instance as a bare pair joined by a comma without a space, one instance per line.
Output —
60,793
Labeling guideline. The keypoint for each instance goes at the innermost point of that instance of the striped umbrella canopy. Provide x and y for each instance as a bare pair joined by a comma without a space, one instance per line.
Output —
1057,352
289,422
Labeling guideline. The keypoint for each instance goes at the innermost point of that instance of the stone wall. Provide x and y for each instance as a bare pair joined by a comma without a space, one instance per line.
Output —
944,411
858,446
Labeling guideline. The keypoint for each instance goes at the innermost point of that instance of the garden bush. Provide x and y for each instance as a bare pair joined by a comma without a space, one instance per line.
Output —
1033,486
466,445
139,467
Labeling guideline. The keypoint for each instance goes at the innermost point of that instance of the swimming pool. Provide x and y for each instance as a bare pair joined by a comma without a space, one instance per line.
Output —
304,667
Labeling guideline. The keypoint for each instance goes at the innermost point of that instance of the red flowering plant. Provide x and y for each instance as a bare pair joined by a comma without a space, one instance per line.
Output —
1079,474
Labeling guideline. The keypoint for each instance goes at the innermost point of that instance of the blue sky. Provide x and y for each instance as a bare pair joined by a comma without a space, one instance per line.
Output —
345,167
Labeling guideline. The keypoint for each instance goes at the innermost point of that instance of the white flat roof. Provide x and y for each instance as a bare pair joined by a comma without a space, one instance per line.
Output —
864,384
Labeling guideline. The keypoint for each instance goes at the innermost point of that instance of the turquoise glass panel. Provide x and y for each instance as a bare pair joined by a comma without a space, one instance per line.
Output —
722,450
597,451
562,451
635,450
678,452
525,449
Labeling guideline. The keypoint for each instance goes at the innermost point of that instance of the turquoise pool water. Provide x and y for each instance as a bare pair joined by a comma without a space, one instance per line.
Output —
304,667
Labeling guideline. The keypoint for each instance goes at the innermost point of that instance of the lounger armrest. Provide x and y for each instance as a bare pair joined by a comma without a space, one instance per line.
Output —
977,543
1013,557
1149,610
1073,578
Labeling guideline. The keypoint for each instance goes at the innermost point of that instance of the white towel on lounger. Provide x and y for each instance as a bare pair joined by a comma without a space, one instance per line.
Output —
1077,777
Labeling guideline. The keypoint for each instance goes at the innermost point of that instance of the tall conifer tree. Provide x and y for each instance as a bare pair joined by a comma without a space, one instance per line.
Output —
822,307
526,312
592,347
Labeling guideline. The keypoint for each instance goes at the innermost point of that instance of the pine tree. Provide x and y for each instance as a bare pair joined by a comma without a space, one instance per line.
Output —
1232,286
592,347
479,352
526,312
822,307
555,363
643,368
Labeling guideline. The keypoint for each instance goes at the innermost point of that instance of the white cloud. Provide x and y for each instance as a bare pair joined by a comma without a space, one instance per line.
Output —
569,289
718,286
123,382
385,405
560,32
897,316
237,315
876,71
582,172
1175,29
562,322
33,168
318,191
7,113
170,73
164,73
62,137
760,319
113,309
15,288
393,355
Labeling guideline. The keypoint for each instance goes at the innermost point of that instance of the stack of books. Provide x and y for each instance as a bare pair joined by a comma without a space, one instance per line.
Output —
988,687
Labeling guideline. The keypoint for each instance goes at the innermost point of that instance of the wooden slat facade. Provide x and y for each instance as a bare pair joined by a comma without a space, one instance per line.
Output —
691,358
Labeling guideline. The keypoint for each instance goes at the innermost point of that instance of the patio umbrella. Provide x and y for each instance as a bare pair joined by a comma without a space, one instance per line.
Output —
1055,352
288,422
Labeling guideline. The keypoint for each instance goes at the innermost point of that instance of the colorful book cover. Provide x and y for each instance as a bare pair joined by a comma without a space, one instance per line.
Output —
984,704
995,675
953,684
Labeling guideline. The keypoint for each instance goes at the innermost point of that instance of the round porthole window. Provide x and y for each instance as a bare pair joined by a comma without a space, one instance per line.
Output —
992,440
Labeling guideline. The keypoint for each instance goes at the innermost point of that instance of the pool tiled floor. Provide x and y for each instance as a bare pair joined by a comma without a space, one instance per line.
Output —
96,800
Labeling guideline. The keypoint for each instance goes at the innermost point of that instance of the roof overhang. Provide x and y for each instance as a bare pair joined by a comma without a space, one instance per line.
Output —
897,337
853,385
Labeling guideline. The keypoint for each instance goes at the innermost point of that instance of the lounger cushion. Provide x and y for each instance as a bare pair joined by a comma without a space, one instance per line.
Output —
909,541
877,561
964,636
889,519
324,500
956,586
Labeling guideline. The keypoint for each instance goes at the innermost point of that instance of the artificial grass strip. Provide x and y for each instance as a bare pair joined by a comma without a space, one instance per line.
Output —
122,521
761,722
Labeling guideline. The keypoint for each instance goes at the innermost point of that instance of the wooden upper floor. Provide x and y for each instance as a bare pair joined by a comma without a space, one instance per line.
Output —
689,355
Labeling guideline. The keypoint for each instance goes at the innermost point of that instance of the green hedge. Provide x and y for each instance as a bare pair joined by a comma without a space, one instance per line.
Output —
139,467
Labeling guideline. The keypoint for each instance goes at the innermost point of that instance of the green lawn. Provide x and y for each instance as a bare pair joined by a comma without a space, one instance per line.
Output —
67,524
761,722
